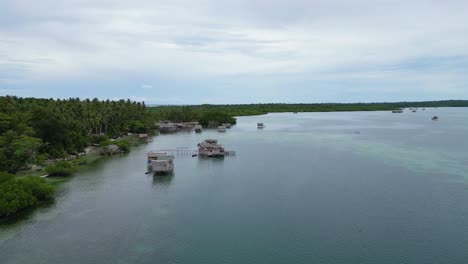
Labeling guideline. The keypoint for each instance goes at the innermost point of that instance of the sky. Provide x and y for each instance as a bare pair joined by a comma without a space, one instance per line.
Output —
235,51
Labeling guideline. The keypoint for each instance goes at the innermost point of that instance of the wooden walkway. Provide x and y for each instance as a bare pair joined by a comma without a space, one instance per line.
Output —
185,151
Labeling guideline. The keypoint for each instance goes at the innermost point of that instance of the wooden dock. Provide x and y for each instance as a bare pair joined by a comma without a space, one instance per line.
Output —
185,151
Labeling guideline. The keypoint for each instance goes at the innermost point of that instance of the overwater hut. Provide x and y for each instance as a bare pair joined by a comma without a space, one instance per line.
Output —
167,127
143,137
198,128
213,124
210,148
160,162
227,125
221,128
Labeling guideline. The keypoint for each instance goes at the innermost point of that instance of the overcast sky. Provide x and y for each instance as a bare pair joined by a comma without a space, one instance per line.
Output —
242,51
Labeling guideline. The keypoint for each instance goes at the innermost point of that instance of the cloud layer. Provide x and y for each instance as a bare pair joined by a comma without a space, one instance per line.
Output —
219,51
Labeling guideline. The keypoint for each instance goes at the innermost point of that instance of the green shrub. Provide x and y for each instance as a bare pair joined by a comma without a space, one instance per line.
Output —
137,127
38,187
61,168
17,194
123,145
106,143
4,177
80,162
14,197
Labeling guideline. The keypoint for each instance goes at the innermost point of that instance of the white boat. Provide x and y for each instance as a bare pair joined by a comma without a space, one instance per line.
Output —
222,129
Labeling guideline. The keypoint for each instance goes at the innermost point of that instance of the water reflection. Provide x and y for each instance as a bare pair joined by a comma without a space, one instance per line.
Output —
162,180
24,217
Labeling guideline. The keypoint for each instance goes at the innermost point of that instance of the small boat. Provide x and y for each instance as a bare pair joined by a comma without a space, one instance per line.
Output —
198,128
221,129
435,118
294,112
227,125
260,125
397,111
414,111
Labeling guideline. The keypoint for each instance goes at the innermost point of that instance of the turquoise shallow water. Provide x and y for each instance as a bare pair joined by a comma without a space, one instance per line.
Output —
360,187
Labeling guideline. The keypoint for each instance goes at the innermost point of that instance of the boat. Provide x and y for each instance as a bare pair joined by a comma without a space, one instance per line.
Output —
198,128
159,163
210,148
260,125
294,112
221,129
227,125
397,111
414,111
435,118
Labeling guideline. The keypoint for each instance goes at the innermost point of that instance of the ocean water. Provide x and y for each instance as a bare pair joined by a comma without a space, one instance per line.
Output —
346,187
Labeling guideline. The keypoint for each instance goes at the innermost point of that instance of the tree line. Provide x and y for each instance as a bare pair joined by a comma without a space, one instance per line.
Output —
193,113
198,112
36,129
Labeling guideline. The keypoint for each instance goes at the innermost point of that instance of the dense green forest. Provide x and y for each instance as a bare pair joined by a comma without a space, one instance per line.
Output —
193,113
203,112
20,193
35,130
32,130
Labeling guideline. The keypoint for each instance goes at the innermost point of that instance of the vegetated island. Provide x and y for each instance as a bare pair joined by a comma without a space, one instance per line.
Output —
57,137
226,113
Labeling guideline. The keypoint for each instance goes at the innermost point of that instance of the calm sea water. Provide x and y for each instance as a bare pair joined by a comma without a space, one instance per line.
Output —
359,187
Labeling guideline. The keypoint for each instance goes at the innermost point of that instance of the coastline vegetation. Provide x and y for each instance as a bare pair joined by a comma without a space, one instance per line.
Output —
47,136
33,131
17,194
198,113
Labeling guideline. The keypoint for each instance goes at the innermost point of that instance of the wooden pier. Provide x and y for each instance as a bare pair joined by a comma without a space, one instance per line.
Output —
185,151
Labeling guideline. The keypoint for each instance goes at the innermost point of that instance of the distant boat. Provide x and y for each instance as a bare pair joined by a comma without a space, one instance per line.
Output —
260,125
435,118
294,112
198,128
397,111
221,129
414,111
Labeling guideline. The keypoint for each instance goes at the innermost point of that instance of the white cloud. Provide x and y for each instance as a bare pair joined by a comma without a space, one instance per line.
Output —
218,38
147,86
